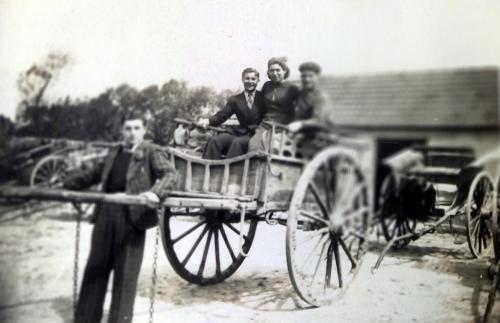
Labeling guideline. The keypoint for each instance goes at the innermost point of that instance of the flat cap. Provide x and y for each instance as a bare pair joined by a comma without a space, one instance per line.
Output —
310,66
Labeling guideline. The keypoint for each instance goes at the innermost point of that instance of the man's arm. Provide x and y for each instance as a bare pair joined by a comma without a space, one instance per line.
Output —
164,173
316,119
222,115
84,178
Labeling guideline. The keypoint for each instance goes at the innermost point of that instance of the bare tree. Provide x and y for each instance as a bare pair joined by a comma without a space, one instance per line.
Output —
33,83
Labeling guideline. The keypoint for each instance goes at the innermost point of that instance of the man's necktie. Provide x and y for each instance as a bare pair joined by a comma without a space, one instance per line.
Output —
250,100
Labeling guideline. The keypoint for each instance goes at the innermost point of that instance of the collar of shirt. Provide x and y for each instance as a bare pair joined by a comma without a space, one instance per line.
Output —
130,149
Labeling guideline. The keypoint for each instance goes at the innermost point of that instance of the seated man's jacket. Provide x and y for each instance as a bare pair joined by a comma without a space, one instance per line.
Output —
237,105
149,170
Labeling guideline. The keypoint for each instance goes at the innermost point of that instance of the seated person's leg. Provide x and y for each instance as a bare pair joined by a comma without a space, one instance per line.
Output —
239,146
218,146
257,141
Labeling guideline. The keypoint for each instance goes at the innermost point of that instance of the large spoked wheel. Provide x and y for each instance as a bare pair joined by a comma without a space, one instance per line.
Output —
50,172
392,218
203,246
327,226
479,211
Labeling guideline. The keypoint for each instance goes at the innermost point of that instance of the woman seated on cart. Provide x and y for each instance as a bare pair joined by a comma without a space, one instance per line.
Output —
247,106
280,97
285,104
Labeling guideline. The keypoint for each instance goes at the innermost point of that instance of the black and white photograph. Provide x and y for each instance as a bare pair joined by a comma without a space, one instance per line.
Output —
206,161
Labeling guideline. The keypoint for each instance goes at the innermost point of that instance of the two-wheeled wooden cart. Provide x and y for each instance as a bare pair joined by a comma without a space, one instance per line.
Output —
319,184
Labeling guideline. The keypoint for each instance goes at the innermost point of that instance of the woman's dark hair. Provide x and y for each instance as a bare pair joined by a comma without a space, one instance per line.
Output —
281,61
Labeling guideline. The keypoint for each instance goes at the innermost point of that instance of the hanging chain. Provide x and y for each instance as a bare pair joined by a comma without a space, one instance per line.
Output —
77,255
159,213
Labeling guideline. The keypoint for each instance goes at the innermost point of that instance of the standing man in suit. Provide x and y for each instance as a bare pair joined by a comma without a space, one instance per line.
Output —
247,106
135,167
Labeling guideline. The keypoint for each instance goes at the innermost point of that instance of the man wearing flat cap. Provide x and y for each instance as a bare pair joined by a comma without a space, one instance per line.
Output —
311,105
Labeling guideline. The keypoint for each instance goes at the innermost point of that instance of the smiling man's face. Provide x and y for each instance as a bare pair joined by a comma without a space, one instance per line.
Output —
250,81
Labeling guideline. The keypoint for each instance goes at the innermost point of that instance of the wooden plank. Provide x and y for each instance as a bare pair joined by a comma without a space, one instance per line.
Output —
225,179
259,178
189,174
282,142
206,179
245,177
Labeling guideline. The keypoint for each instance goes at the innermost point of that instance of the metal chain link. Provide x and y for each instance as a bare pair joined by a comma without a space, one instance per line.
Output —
77,256
159,213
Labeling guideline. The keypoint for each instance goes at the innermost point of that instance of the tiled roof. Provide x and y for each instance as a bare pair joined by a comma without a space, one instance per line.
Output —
448,98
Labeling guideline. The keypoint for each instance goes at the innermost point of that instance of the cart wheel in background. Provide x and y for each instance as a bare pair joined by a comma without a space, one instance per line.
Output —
392,218
495,225
479,210
203,246
49,172
327,226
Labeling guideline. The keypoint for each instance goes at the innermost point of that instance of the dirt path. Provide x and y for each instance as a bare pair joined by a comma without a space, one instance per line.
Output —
433,280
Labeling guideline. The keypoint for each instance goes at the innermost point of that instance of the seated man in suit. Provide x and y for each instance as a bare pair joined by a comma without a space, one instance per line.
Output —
135,167
247,106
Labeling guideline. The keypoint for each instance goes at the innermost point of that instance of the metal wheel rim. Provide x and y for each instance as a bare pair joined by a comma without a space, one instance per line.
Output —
479,243
495,226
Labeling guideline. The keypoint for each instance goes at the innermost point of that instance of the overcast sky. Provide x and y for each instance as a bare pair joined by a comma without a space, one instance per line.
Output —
209,42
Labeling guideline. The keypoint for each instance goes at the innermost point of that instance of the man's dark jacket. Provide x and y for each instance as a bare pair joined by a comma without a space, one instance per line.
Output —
149,170
237,105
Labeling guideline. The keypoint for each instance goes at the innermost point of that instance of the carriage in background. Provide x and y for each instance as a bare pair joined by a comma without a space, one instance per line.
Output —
436,181
45,161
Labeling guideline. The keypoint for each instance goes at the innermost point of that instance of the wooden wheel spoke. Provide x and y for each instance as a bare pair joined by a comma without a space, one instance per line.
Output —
354,234
235,230
318,263
174,241
314,217
407,225
329,260
311,254
348,253
190,253
205,253
476,227
338,263
217,252
226,241
396,226
313,235
322,206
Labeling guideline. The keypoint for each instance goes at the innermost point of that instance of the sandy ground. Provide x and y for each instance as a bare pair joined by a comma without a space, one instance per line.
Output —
432,280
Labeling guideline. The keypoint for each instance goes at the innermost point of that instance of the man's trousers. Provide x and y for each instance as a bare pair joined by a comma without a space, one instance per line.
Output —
119,247
227,145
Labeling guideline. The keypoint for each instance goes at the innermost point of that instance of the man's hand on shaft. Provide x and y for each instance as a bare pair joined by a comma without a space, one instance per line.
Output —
152,198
